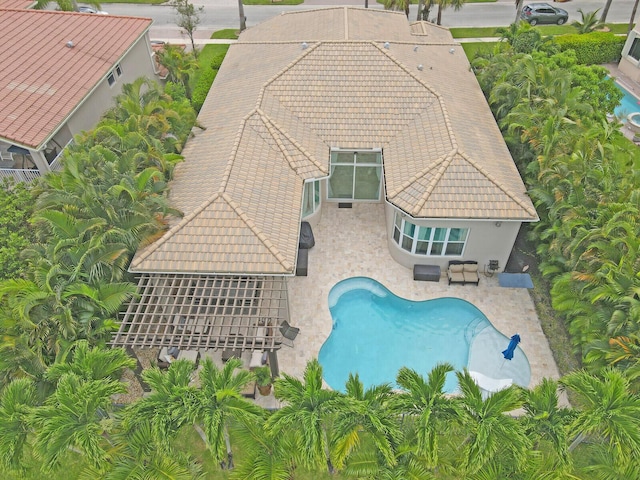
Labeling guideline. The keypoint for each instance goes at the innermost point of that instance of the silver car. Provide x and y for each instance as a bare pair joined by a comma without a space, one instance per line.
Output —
536,13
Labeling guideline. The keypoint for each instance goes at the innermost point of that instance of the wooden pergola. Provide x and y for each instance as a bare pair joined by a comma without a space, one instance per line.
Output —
192,312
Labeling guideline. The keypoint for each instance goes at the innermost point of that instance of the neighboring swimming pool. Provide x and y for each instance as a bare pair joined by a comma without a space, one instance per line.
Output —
628,104
375,333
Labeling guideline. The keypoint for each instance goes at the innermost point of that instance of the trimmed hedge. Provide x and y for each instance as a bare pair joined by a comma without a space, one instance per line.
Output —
593,48
209,60
202,88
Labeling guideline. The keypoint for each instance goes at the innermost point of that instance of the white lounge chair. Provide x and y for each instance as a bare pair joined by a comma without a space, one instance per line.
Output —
490,384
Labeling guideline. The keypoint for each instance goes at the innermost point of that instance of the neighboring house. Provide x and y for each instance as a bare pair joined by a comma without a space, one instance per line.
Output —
630,59
339,105
60,72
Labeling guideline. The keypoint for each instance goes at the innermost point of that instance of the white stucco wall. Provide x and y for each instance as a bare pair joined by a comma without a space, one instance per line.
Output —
136,63
628,65
486,241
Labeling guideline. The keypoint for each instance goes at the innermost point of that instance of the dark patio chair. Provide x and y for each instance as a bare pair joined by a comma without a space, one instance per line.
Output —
289,333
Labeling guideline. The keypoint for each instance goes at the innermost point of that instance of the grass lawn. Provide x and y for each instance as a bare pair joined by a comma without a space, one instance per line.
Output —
228,34
481,32
472,49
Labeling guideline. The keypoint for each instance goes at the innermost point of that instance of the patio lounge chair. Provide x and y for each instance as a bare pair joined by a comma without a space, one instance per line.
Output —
289,333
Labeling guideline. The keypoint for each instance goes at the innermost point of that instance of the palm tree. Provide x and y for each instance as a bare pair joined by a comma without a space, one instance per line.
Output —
64,5
427,404
88,363
607,410
75,417
589,21
605,11
371,465
267,456
179,63
369,413
545,420
164,409
308,410
442,4
488,425
136,455
398,5
633,17
219,401
17,401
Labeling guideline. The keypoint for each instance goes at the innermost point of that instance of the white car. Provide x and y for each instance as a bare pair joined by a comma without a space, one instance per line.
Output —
85,9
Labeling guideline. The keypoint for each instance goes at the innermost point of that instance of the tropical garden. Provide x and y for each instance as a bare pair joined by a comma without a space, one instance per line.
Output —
65,279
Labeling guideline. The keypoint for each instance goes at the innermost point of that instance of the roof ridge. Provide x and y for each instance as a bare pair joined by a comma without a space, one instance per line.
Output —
173,230
441,169
234,150
258,233
273,125
418,175
346,22
306,51
498,184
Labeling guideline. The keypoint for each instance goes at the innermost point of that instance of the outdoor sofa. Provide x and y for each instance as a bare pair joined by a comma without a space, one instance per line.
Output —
463,272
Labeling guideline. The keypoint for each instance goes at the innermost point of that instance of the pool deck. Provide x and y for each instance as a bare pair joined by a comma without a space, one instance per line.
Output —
352,242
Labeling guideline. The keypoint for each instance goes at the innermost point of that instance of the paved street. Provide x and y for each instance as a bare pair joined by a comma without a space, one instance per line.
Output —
219,14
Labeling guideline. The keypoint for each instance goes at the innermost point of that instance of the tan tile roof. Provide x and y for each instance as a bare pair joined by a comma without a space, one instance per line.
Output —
301,83
41,79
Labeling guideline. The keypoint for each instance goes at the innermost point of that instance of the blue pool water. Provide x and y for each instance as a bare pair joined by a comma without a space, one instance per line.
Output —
628,104
375,333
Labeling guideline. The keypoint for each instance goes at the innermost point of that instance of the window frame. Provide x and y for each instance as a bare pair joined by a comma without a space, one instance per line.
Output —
424,240
316,198
111,79
378,165
635,49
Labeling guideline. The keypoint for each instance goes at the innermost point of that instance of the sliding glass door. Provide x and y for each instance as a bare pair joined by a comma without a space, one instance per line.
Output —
355,175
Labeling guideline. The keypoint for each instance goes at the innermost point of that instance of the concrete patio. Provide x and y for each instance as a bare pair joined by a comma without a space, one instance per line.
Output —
352,242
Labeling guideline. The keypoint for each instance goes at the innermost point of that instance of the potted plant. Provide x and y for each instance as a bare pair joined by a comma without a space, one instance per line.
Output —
263,379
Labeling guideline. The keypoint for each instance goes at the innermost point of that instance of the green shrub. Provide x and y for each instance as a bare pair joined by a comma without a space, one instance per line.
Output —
593,48
216,61
16,232
526,41
209,62
202,88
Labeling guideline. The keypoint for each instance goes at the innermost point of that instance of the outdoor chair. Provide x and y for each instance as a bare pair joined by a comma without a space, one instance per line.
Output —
289,333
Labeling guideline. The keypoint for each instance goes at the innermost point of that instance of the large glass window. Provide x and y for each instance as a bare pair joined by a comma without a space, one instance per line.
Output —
310,198
355,175
634,51
430,241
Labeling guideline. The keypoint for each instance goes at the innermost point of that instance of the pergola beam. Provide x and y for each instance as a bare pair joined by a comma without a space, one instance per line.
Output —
205,311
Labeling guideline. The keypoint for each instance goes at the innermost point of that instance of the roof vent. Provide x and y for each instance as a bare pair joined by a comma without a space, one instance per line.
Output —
420,67
304,45
452,51
386,45
415,49
70,44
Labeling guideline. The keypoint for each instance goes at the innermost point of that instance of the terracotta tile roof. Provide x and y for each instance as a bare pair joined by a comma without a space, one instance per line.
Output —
301,83
21,4
42,80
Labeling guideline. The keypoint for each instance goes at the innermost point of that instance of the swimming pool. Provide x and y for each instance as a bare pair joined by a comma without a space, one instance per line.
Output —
375,333
628,104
